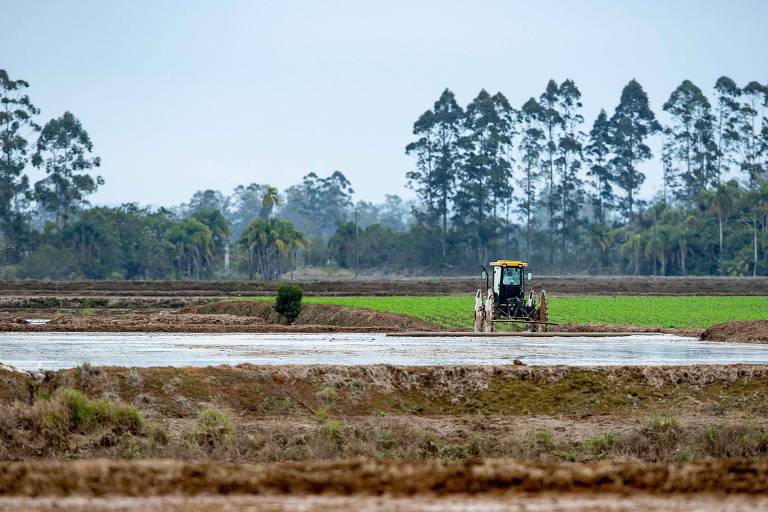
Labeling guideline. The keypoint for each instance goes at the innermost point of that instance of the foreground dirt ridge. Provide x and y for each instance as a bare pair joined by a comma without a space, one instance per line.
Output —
372,389
375,477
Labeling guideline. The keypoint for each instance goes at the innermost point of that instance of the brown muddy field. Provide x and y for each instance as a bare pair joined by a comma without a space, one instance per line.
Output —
183,291
223,316
306,438
381,437
746,331
383,485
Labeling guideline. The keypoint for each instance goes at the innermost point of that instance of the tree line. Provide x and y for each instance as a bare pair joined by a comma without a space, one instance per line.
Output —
537,182
491,180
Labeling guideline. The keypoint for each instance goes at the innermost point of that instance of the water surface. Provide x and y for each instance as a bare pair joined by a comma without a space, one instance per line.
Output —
50,351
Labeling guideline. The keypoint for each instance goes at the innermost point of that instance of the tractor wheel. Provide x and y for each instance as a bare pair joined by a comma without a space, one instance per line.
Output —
543,307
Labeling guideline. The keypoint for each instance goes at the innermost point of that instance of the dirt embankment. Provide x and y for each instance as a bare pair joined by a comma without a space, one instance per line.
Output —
224,316
747,331
601,285
263,391
376,477
261,414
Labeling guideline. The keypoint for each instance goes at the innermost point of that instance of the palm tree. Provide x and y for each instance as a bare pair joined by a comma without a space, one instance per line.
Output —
193,246
266,240
720,202
600,239
632,247
269,200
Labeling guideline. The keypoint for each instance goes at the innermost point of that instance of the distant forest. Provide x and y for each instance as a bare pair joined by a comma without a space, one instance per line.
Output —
492,181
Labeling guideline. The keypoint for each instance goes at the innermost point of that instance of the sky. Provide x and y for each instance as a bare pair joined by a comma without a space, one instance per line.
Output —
180,96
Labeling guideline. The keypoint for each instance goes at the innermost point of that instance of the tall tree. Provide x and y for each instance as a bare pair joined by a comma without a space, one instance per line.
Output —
204,200
218,225
530,149
317,205
690,142
752,120
631,124
553,124
244,205
437,150
17,114
64,151
266,241
721,201
598,152
269,201
192,244
570,148
486,166
726,113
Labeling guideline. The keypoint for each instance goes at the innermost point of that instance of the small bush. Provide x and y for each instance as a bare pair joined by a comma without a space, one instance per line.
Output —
213,430
288,302
86,415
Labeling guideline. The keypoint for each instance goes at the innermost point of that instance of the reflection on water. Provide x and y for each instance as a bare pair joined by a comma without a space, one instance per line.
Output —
65,350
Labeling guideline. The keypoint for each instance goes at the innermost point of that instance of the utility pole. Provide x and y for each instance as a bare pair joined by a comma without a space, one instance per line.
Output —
357,250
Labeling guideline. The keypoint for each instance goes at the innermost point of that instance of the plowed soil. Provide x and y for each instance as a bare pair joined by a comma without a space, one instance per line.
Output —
376,477
225,316
511,502
748,331
581,285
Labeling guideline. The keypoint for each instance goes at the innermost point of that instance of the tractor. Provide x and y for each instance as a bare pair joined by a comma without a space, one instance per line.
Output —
507,299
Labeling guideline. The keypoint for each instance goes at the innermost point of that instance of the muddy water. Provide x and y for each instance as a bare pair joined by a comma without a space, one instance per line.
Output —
65,350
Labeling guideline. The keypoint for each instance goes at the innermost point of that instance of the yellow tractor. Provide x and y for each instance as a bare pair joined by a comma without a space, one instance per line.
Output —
507,298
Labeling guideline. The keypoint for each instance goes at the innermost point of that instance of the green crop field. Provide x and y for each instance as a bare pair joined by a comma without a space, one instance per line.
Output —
455,312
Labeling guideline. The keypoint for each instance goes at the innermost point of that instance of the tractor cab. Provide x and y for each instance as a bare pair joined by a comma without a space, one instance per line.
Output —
513,301
509,279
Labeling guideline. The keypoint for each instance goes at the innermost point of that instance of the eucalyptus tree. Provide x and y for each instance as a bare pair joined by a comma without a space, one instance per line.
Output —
553,124
721,201
317,205
752,147
689,141
570,147
438,156
486,166
598,155
17,123
64,152
530,149
243,205
632,123
726,114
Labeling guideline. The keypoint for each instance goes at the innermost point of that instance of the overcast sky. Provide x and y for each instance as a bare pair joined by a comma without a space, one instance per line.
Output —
184,95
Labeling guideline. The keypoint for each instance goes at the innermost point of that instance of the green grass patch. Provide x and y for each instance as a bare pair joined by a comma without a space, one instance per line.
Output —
456,311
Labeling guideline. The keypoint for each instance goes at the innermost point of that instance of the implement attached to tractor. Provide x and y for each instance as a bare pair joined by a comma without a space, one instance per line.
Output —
506,299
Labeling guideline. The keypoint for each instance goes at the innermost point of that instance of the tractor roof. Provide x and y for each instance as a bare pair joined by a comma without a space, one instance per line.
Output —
509,263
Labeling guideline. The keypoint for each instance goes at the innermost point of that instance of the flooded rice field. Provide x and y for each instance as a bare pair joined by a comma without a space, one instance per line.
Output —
54,350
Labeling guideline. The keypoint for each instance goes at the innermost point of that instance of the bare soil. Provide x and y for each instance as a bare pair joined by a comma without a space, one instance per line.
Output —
747,331
582,501
601,285
377,477
224,316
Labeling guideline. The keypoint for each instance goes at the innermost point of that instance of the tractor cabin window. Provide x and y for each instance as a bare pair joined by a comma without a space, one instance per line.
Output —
512,276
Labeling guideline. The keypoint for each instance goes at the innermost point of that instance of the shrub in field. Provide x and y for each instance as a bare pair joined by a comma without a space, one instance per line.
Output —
213,430
61,421
288,302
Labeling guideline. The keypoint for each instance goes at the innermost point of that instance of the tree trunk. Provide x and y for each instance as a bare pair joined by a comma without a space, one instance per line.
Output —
720,225
754,241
